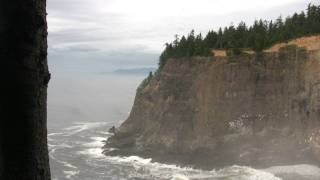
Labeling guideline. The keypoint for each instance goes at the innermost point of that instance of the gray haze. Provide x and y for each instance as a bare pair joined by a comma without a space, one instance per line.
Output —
74,98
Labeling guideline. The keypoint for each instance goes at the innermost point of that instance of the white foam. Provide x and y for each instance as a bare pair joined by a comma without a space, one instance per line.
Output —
69,174
179,177
300,169
53,134
92,152
75,129
64,145
70,165
98,142
51,145
174,172
66,164
130,159
52,150
80,126
95,148
105,132
246,173
144,168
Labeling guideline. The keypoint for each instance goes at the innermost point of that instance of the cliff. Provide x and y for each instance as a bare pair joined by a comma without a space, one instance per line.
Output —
256,110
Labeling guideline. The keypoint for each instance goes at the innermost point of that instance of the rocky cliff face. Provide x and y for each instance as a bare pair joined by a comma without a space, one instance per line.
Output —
257,110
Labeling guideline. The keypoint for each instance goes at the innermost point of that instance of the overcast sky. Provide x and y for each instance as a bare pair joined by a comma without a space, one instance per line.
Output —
132,33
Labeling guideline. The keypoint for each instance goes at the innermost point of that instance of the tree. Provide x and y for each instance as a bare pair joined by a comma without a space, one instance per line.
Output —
219,44
241,35
24,74
176,40
198,46
261,35
211,39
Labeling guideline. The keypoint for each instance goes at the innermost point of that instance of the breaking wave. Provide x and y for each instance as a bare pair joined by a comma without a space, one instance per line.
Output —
76,153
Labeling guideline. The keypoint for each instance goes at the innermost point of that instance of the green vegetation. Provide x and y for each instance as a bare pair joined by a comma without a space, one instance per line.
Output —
290,50
145,82
236,51
262,34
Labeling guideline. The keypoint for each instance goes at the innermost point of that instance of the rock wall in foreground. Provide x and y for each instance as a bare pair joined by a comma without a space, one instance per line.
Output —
258,110
24,78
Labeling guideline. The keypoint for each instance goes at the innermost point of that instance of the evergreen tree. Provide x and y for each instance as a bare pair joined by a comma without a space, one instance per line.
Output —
261,35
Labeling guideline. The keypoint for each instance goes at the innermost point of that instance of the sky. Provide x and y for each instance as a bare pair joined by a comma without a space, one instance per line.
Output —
104,35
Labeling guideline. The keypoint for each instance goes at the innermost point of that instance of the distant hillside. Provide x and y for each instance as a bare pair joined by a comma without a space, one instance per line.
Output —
135,70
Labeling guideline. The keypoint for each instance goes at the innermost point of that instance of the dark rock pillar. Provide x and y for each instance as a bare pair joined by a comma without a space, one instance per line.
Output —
23,91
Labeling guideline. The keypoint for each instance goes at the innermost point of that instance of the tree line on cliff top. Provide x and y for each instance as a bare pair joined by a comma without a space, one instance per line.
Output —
261,35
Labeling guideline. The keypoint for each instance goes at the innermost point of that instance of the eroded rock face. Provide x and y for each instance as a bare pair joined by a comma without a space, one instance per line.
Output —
250,110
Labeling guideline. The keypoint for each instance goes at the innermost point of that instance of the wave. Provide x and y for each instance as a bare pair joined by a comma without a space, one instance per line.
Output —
94,149
173,172
145,168
134,167
53,134
92,152
304,170
69,174
97,142
81,126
